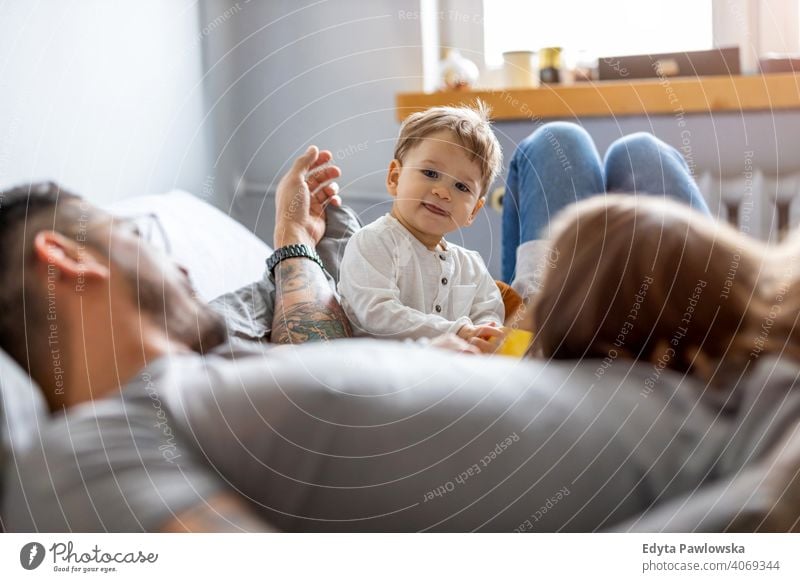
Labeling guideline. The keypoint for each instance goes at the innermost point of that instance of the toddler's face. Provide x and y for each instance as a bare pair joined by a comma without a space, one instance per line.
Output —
436,188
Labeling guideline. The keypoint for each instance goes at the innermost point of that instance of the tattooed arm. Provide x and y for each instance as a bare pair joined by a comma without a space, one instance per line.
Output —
306,309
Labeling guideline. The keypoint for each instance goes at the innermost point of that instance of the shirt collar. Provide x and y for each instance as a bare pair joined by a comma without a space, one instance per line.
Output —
397,225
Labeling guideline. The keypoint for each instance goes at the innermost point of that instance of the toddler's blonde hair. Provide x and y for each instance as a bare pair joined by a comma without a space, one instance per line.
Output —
469,125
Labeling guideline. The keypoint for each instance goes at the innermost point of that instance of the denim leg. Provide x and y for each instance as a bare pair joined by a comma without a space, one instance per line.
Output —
640,163
510,230
556,165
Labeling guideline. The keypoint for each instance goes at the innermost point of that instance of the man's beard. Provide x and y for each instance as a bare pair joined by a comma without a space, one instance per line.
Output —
197,326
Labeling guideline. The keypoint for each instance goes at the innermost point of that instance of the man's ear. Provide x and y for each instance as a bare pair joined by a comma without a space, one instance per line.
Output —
393,177
478,205
67,256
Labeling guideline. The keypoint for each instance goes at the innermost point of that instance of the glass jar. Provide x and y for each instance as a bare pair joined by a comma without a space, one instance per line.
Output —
550,65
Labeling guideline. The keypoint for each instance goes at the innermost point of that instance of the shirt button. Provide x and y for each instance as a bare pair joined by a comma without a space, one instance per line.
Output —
444,280
438,308
442,257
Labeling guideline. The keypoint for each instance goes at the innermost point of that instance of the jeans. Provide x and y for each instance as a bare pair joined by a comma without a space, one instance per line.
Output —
558,164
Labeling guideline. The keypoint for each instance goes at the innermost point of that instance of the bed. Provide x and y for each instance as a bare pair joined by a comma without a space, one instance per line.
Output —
752,486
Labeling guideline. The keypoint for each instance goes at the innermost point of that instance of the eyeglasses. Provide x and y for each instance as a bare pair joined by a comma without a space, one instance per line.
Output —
148,227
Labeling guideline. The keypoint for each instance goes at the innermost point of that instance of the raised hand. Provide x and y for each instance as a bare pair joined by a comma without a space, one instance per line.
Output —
303,193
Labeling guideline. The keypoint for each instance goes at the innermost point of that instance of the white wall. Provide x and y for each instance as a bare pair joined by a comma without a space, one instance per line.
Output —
104,97
284,74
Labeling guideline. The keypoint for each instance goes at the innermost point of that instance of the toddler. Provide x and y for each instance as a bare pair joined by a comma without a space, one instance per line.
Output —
399,277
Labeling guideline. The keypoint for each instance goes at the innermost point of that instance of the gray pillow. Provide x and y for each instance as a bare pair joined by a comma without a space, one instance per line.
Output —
756,480
22,410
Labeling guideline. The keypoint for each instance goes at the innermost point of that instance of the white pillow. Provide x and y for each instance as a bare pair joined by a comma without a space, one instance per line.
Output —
220,254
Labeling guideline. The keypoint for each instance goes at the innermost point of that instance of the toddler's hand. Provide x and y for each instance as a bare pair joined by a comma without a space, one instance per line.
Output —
452,342
482,336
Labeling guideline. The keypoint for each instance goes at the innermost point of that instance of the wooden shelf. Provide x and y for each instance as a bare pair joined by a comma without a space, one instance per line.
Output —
617,98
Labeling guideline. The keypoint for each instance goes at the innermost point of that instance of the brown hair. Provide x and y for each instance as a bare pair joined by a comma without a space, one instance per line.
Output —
469,125
24,211
645,278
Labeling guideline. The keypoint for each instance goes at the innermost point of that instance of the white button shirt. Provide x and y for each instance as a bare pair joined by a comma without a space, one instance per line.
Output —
392,286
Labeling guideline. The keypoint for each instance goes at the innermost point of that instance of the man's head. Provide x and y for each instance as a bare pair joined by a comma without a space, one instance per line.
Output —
444,162
71,272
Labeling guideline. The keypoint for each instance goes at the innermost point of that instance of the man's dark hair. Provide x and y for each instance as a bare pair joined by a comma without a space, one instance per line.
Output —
24,211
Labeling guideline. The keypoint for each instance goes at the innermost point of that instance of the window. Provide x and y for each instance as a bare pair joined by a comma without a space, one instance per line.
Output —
596,29
484,29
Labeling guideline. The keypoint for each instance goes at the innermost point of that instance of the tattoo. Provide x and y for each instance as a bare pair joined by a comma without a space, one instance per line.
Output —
306,308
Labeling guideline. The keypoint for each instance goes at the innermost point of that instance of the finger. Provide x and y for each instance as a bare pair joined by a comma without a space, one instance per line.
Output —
322,169
325,192
315,181
319,183
304,162
323,157
333,201
485,331
323,174
331,189
482,345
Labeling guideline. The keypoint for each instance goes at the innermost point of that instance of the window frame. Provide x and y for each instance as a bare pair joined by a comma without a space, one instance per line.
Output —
756,26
